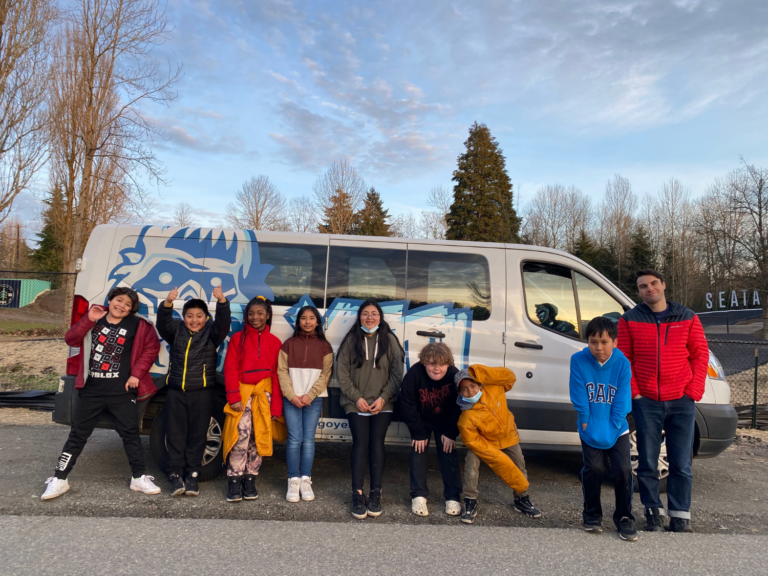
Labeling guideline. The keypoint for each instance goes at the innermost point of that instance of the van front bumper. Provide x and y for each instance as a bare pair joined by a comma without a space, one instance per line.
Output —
717,428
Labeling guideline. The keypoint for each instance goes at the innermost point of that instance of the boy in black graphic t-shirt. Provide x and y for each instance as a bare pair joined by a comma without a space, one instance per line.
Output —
117,350
110,364
428,407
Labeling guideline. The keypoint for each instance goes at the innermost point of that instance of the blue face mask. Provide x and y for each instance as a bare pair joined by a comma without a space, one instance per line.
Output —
369,330
467,403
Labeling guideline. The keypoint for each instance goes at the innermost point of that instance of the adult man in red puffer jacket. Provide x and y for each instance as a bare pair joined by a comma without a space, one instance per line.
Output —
665,343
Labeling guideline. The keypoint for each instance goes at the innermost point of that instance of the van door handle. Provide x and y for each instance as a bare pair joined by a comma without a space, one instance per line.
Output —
430,334
529,345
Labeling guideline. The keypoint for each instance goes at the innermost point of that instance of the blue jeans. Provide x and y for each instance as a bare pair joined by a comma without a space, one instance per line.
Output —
302,424
678,420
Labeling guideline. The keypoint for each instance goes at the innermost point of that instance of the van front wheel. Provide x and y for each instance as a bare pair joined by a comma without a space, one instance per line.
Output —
212,457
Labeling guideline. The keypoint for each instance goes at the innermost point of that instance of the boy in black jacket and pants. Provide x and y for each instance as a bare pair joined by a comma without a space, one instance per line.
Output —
191,380
428,407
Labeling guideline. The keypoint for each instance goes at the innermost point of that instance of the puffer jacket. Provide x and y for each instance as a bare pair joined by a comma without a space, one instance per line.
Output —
669,358
193,356
489,426
251,357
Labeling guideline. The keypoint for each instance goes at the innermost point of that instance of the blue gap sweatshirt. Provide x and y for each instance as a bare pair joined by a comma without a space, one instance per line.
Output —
602,396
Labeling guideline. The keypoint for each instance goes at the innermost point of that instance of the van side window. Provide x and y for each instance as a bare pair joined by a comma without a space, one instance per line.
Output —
464,280
366,274
594,302
549,297
298,269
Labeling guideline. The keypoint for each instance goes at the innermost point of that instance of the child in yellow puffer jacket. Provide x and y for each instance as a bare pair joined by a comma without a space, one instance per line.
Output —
488,431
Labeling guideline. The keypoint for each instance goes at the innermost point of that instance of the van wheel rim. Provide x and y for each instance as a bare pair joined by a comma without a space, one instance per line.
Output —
663,464
213,442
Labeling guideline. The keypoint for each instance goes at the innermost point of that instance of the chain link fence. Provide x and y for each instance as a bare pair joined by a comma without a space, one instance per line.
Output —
33,319
746,369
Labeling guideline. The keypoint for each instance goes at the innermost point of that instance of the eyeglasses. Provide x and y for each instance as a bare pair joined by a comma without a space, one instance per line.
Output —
370,315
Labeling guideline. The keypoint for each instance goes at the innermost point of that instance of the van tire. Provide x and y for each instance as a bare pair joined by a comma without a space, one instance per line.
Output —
212,459
663,462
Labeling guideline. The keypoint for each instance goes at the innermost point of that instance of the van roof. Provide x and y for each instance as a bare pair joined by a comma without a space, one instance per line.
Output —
276,236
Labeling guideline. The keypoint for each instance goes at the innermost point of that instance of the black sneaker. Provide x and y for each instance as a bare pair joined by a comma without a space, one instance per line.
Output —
470,510
249,487
627,529
654,522
374,503
177,484
593,526
524,505
234,489
680,525
190,485
359,510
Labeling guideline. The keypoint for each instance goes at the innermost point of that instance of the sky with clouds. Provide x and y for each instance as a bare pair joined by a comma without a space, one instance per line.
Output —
574,92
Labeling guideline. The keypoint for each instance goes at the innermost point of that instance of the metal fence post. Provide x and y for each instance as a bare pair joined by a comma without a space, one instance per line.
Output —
754,399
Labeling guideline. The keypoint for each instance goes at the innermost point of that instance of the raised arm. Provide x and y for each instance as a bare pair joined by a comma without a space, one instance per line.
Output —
166,325
223,317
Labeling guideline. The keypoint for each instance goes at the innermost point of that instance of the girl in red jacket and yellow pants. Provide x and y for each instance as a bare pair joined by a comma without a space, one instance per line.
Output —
254,400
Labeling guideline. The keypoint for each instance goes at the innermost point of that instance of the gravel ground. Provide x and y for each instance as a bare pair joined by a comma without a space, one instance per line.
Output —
728,490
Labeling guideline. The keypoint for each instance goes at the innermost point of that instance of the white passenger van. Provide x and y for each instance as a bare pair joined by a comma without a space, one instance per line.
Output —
523,307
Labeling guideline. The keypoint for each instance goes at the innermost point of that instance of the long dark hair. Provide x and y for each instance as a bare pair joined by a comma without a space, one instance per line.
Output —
257,301
297,331
357,336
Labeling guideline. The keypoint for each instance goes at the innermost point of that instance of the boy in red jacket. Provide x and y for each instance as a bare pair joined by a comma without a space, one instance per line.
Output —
118,349
665,344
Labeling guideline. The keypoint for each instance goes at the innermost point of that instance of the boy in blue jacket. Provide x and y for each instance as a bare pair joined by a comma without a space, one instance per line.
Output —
601,393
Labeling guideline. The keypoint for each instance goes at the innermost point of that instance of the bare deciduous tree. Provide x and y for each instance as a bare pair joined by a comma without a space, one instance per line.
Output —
99,136
302,215
545,217
433,222
182,216
748,192
618,218
24,65
340,185
405,226
258,205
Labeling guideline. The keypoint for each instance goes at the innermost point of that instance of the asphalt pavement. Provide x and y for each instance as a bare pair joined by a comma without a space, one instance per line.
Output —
61,546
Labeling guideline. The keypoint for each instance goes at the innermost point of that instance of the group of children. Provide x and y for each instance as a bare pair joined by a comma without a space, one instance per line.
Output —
275,390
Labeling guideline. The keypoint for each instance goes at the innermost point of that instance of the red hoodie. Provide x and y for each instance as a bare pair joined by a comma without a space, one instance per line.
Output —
145,349
250,366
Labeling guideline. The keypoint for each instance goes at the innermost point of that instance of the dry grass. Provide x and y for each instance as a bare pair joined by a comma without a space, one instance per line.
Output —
31,365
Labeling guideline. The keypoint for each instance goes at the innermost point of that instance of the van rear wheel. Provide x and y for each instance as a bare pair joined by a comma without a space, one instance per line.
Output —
213,457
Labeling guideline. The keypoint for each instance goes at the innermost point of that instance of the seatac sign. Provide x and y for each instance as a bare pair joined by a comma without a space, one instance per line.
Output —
733,299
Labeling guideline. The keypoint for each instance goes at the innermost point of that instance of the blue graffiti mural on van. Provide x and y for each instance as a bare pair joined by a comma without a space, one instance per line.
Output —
198,259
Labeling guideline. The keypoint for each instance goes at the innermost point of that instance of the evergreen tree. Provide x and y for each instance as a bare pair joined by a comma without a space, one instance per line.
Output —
641,251
371,220
339,215
482,209
49,255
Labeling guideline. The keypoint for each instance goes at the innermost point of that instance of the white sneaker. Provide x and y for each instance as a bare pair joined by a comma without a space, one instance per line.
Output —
419,506
56,487
293,489
452,508
306,489
145,485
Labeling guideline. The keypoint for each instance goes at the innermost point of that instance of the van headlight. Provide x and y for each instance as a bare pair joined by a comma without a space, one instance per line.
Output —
715,369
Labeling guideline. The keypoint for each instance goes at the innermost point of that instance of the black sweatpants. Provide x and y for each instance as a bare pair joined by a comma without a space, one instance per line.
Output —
187,419
621,474
449,470
125,411
368,434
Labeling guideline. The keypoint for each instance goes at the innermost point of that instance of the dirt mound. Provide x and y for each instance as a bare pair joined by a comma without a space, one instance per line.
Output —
51,301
